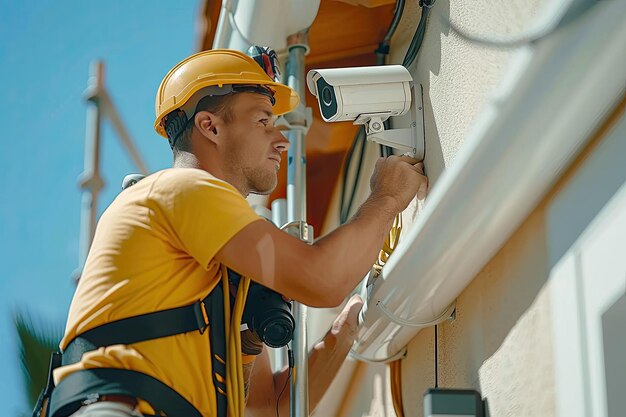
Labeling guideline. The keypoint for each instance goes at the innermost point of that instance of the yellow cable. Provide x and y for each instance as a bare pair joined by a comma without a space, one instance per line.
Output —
390,244
232,371
229,382
235,394
395,367
235,344
395,375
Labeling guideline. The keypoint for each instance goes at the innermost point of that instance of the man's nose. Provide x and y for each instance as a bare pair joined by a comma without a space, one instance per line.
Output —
281,144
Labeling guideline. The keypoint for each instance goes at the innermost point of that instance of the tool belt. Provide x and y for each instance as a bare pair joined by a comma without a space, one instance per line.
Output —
87,386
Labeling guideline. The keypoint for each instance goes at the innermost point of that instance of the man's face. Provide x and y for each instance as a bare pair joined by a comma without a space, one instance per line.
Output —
253,146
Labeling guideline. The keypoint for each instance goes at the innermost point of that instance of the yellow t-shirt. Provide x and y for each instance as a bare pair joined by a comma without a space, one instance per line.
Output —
153,250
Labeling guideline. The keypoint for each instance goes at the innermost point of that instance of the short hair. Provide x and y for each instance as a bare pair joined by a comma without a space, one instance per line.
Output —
218,105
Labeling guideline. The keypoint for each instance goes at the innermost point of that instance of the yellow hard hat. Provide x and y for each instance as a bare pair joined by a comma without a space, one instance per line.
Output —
217,67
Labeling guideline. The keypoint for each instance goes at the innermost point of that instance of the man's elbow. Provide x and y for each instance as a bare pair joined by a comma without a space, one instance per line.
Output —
324,295
329,299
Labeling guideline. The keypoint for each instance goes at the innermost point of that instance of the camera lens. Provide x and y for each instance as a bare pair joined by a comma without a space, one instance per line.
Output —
277,330
327,95
269,316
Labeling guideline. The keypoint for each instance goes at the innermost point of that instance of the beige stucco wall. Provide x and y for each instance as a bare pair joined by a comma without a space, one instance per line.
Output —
458,76
500,339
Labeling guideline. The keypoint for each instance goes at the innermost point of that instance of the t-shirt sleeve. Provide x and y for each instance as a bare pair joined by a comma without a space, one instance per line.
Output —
205,213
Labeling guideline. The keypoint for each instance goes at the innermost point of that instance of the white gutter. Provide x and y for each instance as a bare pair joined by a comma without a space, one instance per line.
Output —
558,91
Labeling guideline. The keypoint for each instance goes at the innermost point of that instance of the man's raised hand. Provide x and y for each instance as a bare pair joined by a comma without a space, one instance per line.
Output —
401,178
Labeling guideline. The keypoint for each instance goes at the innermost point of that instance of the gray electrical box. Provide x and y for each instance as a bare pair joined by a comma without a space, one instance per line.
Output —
442,402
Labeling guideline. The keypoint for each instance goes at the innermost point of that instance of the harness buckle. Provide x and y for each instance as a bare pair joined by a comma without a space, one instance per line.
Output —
202,318
91,399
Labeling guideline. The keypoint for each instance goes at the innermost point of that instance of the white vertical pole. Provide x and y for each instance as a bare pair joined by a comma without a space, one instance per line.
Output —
296,211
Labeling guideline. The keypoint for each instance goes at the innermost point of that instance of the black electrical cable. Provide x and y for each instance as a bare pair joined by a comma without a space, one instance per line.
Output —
291,364
418,37
397,15
359,140
383,48
436,360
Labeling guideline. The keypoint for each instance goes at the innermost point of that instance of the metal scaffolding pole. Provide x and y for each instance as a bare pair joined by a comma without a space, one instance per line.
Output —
296,212
99,107
90,181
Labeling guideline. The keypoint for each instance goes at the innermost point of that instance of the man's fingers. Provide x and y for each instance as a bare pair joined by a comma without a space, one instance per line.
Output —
349,315
422,190
419,165
354,305
406,158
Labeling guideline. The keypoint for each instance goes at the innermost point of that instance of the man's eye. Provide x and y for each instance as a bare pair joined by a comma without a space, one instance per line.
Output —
265,121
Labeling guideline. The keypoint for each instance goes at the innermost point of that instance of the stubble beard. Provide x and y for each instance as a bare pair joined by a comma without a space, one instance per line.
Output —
261,181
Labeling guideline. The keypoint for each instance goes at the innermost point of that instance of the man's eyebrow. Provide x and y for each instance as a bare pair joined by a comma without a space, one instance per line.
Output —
268,113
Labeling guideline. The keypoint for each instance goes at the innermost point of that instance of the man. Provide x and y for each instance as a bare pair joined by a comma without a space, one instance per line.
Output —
164,243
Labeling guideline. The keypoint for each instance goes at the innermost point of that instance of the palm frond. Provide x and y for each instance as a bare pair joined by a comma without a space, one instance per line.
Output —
37,340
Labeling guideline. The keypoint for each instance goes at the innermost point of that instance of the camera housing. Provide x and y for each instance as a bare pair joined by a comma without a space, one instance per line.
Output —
346,93
369,96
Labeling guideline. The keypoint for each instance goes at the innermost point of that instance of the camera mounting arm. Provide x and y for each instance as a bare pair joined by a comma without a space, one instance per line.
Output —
407,140
402,139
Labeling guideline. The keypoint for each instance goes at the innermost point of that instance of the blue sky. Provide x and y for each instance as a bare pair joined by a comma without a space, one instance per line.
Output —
45,53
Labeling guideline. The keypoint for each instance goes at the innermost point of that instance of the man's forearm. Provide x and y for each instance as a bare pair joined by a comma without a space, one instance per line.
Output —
324,273
349,251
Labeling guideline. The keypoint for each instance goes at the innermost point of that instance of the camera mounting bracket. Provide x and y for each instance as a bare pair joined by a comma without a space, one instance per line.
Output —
407,140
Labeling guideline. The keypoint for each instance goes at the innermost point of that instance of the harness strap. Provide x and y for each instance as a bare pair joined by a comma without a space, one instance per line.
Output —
217,339
143,327
43,402
81,386
87,385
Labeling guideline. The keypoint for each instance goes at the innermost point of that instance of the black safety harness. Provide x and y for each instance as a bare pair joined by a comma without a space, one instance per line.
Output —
88,385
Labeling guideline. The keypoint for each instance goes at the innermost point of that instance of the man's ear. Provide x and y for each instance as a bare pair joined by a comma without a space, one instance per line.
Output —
209,125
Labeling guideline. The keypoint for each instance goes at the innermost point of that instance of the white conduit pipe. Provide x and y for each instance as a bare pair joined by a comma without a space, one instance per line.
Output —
556,93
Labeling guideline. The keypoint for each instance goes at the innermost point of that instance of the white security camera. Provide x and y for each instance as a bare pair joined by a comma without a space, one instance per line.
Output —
369,96
346,93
